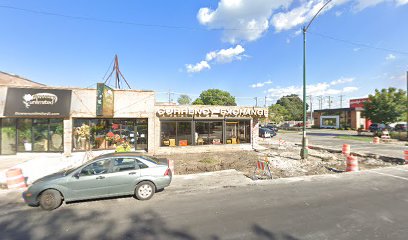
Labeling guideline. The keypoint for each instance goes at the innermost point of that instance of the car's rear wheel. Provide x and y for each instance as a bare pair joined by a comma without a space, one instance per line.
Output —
50,199
145,190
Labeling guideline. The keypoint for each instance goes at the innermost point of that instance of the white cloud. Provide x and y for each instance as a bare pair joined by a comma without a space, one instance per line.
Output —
401,2
241,19
390,57
258,85
349,89
338,13
226,55
356,49
220,56
341,81
197,67
319,89
248,20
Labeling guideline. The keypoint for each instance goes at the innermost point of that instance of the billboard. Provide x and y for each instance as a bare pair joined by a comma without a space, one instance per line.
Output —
31,102
104,100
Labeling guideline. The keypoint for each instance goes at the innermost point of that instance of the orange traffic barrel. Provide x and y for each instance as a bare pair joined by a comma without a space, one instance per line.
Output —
406,156
352,163
376,140
346,149
15,178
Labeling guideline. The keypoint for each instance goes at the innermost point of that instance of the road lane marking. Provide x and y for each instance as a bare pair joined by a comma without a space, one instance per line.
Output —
389,175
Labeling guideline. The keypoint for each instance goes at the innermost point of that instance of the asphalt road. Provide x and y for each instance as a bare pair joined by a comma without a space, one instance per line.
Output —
323,137
364,205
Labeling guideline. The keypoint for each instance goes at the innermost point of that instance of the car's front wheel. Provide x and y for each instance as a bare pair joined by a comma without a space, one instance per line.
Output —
50,199
145,190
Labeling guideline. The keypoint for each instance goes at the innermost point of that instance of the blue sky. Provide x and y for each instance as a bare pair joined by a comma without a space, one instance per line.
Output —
251,48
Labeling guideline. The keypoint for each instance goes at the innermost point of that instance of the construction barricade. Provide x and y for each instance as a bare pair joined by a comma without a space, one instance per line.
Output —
346,149
376,140
352,163
406,156
262,169
15,178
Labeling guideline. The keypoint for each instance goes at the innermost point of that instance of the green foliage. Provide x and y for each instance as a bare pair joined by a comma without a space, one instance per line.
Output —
184,100
386,106
215,97
277,113
293,105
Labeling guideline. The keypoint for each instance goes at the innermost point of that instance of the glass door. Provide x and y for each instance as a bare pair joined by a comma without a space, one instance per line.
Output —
141,132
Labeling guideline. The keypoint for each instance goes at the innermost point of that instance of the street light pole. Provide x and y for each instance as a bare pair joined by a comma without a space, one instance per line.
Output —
304,151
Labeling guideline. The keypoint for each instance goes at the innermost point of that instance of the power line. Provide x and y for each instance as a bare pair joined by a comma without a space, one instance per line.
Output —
123,22
359,44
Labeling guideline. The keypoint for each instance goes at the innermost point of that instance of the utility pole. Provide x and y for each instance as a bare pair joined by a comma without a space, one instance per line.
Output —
311,109
329,101
256,101
265,102
169,96
341,101
320,99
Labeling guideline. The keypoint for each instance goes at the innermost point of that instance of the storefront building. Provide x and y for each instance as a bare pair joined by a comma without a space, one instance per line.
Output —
343,117
44,119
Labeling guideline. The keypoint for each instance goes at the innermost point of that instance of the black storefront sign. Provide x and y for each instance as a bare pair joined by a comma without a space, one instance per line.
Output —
29,102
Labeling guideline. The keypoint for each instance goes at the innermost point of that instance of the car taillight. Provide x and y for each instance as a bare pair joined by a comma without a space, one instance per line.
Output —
166,173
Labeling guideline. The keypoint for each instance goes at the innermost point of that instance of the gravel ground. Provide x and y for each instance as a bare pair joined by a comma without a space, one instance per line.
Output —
284,162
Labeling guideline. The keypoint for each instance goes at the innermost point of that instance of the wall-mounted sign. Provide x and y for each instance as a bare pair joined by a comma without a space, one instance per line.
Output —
37,102
104,100
330,121
234,112
358,103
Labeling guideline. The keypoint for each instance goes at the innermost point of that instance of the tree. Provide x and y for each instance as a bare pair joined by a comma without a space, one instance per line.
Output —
386,106
293,105
277,113
184,100
215,97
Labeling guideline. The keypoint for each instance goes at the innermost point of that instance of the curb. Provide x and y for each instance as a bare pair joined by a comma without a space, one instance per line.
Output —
359,154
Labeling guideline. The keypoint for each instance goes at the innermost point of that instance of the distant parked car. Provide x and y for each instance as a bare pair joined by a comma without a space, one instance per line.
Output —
109,175
375,127
400,127
272,127
264,133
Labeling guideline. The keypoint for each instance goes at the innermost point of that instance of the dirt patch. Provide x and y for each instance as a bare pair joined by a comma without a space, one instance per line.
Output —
284,162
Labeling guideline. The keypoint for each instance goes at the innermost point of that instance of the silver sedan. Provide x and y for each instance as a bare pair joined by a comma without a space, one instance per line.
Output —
109,175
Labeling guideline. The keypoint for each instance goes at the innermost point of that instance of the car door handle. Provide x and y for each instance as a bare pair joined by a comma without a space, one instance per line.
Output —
100,177
132,173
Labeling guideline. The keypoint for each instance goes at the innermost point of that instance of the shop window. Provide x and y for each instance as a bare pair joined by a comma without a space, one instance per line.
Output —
40,135
215,136
56,142
175,134
24,135
207,133
244,135
98,134
8,136
183,134
168,134
201,133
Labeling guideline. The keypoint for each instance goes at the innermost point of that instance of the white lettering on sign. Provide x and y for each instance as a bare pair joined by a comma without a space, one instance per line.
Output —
235,112
39,99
